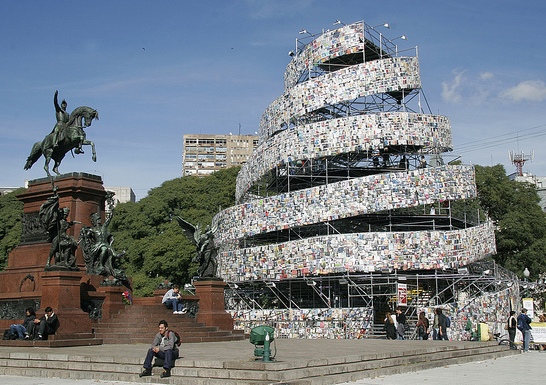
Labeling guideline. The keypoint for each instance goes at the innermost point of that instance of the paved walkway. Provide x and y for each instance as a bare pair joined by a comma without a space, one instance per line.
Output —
521,369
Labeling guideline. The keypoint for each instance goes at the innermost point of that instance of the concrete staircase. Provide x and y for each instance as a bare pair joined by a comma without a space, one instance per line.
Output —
137,323
313,368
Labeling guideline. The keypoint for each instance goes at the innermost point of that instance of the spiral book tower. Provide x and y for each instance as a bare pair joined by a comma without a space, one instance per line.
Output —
348,179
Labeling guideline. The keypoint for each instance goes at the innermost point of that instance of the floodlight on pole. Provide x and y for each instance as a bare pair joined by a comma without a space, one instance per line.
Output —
304,31
386,25
403,37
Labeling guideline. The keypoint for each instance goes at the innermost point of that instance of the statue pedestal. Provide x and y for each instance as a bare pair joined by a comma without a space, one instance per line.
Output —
61,291
24,282
211,304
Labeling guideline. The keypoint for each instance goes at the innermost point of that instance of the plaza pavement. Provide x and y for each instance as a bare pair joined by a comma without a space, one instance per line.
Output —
522,368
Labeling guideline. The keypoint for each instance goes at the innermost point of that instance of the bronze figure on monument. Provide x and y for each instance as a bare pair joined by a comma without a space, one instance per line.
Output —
96,242
63,246
206,250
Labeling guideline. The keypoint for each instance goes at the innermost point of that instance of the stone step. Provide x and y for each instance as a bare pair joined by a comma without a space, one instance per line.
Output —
128,338
319,371
53,343
137,323
152,327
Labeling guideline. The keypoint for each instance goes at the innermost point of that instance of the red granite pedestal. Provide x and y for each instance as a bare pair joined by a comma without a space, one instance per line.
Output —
211,304
24,279
61,291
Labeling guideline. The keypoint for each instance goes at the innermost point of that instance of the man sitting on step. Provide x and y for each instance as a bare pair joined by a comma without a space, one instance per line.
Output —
164,347
173,300
45,326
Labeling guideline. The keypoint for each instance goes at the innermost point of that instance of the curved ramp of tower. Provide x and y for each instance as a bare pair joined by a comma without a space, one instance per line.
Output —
346,162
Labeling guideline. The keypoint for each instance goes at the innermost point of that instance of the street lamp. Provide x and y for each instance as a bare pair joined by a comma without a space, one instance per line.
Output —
526,273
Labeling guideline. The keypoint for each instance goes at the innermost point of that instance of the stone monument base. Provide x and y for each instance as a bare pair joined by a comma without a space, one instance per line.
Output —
211,304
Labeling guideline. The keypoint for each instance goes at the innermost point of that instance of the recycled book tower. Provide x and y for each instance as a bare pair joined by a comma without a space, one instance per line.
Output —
346,209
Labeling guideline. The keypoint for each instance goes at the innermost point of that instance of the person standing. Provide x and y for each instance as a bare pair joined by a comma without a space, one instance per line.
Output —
164,347
422,326
400,323
511,327
172,300
435,326
442,325
390,327
524,326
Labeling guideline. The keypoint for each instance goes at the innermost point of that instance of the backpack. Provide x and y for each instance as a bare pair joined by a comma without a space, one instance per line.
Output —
177,339
448,322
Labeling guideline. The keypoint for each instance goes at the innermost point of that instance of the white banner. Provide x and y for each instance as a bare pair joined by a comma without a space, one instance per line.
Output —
402,290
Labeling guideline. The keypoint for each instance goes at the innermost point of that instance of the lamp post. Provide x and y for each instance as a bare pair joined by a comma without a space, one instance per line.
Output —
526,274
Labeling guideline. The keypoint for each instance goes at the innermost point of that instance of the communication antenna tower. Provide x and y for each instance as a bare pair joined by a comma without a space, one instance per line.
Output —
519,159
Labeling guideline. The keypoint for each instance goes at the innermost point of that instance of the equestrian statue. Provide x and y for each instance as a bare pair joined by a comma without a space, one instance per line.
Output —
67,135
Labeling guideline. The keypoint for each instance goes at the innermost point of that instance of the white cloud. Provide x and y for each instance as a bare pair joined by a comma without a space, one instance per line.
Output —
529,90
467,88
451,92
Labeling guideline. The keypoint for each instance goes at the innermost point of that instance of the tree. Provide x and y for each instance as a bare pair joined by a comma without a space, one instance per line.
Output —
11,212
521,223
156,247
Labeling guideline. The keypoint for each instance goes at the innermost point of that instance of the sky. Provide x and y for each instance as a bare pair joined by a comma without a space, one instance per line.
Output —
156,70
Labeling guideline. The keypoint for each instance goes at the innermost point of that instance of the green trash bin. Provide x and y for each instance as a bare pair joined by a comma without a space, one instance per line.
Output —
257,338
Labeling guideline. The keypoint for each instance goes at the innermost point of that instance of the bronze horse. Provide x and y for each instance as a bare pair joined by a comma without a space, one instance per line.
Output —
71,137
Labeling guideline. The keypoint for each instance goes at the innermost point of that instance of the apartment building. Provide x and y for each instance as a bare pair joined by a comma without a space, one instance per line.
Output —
204,154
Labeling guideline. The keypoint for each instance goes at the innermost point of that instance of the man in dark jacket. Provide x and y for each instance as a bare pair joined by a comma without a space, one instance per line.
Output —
164,347
524,326
400,323
47,324
442,325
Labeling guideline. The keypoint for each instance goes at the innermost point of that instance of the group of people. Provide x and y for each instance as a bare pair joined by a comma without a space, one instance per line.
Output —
395,325
165,344
523,324
36,328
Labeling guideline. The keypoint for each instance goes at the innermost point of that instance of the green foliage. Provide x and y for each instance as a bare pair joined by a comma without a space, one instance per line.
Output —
521,223
157,249
11,212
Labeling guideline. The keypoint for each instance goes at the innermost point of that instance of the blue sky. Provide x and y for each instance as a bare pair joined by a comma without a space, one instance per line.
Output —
156,70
